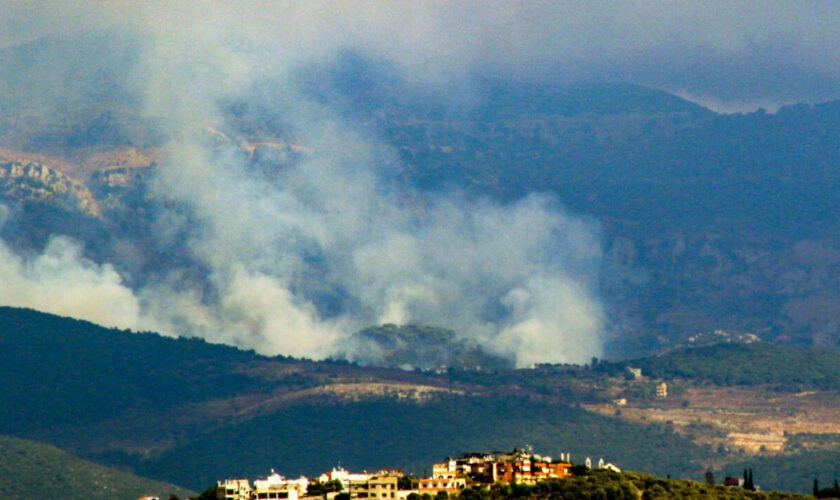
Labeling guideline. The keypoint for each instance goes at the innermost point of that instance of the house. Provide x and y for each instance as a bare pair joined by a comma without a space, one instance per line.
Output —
433,486
276,487
662,390
341,474
233,489
376,486
498,467
733,481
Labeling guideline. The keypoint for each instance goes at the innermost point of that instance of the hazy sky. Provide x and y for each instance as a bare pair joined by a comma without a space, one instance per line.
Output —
728,54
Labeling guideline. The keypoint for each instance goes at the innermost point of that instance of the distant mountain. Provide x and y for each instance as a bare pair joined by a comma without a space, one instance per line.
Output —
710,221
33,470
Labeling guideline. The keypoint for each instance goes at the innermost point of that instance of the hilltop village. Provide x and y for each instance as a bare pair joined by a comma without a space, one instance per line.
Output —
449,477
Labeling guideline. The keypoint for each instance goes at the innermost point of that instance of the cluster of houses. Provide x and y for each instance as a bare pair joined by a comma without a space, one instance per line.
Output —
450,476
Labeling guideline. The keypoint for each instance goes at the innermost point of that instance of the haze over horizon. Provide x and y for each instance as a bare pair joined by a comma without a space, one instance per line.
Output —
729,55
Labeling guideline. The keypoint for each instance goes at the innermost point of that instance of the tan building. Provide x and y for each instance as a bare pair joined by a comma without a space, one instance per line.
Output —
448,484
499,467
662,390
377,486
233,489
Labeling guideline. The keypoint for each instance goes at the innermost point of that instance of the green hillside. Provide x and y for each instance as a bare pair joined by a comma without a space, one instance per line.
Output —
313,437
191,412
790,368
785,472
33,470
59,371
597,485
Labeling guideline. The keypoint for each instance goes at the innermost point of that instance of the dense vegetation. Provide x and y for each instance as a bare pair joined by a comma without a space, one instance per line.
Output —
605,485
311,438
73,383
788,472
33,470
58,371
105,394
789,368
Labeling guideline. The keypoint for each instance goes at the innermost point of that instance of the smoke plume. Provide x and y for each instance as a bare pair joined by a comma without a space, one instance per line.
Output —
61,281
294,257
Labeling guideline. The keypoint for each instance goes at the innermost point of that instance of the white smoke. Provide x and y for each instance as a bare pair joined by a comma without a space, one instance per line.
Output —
518,278
61,281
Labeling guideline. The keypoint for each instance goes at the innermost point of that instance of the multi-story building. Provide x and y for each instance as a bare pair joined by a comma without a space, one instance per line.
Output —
233,489
276,487
451,476
341,474
448,484
376,487
515,467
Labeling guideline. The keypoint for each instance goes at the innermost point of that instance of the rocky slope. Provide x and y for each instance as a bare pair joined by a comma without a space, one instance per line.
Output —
36,183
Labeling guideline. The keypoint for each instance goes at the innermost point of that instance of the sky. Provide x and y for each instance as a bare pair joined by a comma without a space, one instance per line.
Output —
729,55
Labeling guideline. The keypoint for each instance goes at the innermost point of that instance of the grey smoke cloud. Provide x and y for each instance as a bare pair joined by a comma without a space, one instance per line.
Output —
518,278
61,281
446,263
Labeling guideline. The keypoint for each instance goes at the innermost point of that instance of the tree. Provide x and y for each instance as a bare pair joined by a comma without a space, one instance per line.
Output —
749,484
209,494
405,482
710,477
816,487
317,488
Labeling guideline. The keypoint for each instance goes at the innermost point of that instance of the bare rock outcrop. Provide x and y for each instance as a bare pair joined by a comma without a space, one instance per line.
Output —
35,182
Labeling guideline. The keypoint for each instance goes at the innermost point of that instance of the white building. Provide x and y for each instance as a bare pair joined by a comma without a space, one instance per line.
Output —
342,475
276,487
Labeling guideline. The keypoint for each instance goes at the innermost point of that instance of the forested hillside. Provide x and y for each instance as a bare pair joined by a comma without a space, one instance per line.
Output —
188,412
787,368
33,470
